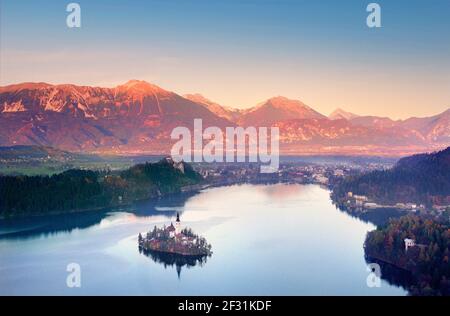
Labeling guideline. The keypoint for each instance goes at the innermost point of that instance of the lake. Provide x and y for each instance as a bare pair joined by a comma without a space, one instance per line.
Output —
281,239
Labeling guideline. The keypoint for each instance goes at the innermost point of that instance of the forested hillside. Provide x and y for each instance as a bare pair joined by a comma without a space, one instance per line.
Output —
81,189
423,178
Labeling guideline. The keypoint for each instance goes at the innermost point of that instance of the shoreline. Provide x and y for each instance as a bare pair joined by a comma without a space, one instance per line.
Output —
183,190
193,256
384,260
187,189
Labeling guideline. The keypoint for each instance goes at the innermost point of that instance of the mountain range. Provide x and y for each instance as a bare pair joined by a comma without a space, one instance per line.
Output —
138,117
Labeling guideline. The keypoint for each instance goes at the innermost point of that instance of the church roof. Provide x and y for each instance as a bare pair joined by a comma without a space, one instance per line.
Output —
171,228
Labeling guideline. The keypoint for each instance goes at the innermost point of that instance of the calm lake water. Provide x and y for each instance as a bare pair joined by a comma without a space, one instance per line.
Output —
266,240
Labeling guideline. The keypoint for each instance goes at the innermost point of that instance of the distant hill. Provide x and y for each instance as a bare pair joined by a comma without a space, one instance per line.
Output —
75,190
340,114
275,110
33,152
220,110
45,160
422,178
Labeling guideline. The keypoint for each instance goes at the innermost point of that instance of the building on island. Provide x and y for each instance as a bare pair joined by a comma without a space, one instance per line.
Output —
174,230
175,240
177,225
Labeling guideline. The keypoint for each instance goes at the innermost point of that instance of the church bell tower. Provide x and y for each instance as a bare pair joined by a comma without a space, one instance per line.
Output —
178,225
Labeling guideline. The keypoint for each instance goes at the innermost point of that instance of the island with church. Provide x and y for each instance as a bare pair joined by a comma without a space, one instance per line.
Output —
173,239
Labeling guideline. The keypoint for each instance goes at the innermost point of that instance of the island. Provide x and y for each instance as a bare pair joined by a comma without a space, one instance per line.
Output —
174,240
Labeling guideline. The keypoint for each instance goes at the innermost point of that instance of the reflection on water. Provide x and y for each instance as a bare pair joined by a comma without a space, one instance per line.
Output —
46,226
268,240
173,259
392,274
380,216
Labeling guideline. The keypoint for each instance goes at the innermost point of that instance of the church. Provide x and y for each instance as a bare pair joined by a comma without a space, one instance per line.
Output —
175,230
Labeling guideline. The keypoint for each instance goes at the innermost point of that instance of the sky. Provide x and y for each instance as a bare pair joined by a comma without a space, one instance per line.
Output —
240,53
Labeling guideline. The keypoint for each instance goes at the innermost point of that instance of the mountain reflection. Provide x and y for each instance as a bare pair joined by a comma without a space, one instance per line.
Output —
172,259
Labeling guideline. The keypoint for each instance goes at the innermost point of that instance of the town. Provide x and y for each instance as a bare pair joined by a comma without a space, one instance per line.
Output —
304,170
324,171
